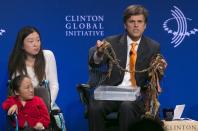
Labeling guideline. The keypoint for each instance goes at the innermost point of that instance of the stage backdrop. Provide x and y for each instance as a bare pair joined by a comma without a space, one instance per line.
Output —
70,27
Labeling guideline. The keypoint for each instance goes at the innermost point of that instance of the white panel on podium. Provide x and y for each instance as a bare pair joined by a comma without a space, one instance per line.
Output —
115,93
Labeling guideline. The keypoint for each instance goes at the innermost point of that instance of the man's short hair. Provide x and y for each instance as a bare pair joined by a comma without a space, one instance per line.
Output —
135,10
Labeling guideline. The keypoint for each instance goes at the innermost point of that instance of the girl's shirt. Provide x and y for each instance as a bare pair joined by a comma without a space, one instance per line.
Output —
32,112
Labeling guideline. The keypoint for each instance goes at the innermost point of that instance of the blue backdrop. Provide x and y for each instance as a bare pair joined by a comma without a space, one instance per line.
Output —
70,27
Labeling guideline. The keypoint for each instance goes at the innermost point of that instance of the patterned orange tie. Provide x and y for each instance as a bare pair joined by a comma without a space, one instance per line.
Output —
133,57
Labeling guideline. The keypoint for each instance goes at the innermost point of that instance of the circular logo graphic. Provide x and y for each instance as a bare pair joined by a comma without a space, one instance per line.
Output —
2,31
181,24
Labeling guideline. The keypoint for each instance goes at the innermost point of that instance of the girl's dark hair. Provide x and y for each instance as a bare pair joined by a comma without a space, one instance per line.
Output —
16,82
18,56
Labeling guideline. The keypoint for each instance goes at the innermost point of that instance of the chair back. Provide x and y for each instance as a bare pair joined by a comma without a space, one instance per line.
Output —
43,92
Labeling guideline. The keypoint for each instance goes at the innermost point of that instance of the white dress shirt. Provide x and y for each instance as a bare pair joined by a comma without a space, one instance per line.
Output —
126,83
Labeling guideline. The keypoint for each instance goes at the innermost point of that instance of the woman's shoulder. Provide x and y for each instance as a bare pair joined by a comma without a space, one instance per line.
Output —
48,54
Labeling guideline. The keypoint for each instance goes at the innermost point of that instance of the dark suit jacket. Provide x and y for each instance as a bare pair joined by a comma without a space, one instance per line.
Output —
146,50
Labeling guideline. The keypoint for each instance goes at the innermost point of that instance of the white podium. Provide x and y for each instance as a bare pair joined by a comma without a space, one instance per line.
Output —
181,125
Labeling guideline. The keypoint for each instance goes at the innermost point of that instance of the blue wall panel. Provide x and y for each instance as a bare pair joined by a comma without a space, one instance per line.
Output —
179,84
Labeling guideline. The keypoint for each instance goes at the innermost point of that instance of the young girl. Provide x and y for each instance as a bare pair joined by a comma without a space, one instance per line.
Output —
31,111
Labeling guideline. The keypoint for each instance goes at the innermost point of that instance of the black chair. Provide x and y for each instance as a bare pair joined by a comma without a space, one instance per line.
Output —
9,122
111,120
43,92
97,75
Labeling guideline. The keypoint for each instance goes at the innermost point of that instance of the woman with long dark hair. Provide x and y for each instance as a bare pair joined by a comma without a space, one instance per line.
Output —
30,59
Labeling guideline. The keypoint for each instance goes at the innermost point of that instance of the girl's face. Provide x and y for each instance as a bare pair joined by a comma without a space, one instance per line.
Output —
26,90
32,44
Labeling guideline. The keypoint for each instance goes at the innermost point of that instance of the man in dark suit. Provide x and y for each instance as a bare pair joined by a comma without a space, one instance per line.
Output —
135,21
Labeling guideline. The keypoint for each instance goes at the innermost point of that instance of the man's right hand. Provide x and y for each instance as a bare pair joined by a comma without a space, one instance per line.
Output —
99,43
100,48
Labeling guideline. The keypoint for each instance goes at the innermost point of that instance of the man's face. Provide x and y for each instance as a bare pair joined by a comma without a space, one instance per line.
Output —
135,26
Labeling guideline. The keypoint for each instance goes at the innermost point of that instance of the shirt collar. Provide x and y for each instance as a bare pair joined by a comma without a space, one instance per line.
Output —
129,41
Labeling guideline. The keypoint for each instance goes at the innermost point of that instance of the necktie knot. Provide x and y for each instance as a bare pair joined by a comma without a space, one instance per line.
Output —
132,50
133,45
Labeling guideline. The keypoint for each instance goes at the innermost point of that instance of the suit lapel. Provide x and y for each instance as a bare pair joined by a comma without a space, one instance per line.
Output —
140,52
123,51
